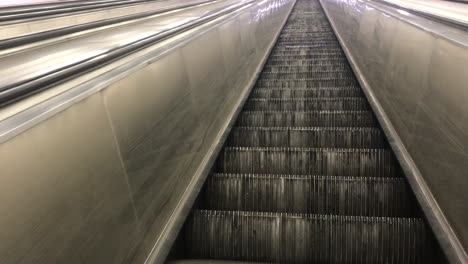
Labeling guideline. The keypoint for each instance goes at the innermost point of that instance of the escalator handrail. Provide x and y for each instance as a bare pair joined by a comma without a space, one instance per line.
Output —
28,39
14,92
14,16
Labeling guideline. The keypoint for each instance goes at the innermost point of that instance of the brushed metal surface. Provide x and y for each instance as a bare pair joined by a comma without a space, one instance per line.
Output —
102,174
43,62
34,26
455,12
414,72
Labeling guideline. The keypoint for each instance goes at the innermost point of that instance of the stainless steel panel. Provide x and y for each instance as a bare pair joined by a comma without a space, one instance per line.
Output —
414,70
64,195
109,177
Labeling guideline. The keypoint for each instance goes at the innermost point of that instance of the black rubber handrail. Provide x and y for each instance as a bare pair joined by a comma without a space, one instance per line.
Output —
17,91
16,15
31,38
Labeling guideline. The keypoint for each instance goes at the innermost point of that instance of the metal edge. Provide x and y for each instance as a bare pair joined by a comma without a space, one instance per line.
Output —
164,244
436,218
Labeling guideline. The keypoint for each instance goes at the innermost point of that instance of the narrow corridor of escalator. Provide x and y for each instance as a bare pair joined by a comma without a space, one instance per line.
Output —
306,174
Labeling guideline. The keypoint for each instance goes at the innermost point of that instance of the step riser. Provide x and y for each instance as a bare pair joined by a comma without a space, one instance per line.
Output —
320,239
343,104
311,83
317,65
307,119
305,56
347,162
305,93
318,138
325,74
387,197
307,71
277,63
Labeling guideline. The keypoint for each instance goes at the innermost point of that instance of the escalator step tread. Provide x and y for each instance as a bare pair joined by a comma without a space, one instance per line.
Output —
307,71
307,83
308,161
207,261
302,238
309,104
305,93
337,195
312,75
307,119
317,66
278,62
316,137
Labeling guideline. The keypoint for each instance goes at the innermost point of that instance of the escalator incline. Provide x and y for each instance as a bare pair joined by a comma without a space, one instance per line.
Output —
306,174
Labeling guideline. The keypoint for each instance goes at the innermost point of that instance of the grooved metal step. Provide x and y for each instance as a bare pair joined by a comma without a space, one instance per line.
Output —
326,72
310,104
272,93
305,52
307,71
318,137
307,83
279,62
299,55
303,39
308,161
299,238
307,119
337,195
317,45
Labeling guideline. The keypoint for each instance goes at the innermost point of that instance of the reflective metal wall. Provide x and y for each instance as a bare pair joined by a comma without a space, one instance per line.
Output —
415,71
104,178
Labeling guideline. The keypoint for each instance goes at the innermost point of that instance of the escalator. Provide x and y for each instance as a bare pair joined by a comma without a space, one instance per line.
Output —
306,174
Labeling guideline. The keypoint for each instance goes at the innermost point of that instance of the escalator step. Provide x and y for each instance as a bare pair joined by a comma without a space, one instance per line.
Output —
319,46
310,104
279,62
312,46
310,32
307,83
307,119
208,261
337,195
307,71
322,137
299,238
305,53
314,74
308,161
296,56
306,93
293,35
299,39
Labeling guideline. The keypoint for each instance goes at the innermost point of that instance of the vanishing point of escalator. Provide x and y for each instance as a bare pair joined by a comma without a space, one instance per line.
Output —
306,175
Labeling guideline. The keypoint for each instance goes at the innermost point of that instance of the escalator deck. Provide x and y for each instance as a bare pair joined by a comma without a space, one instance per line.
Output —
306,174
